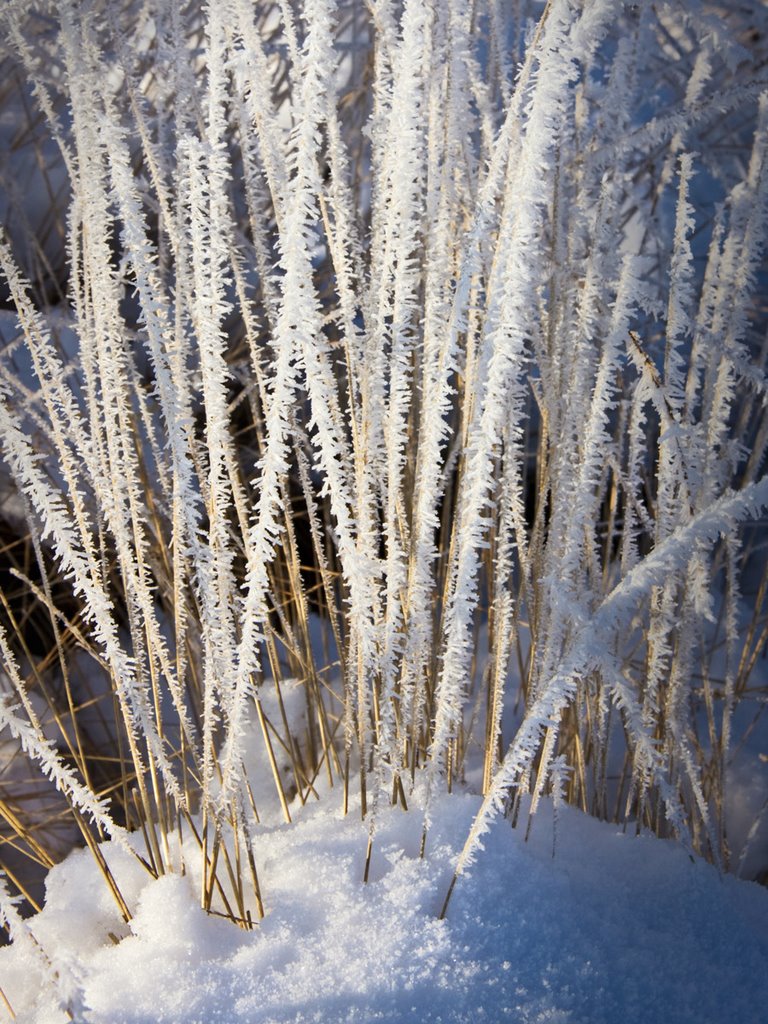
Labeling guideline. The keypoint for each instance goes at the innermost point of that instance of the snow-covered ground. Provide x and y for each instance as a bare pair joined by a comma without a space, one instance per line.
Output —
614,929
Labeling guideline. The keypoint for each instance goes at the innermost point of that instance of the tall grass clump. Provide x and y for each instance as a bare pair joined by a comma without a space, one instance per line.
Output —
382,408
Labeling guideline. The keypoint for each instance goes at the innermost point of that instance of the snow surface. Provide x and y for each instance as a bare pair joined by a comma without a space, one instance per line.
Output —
614,929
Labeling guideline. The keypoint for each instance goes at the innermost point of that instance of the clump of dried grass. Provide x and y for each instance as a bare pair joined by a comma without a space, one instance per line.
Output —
398,353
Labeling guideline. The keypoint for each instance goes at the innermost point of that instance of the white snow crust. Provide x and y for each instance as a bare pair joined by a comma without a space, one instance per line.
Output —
613,929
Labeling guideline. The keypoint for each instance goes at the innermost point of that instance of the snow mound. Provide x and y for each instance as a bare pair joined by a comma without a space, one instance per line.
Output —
614,929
